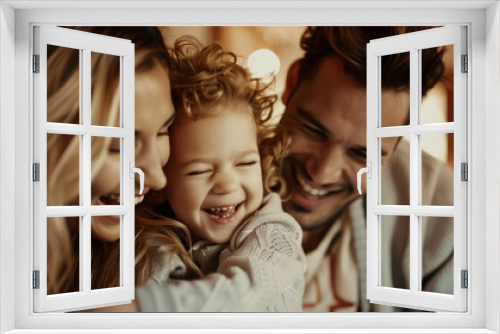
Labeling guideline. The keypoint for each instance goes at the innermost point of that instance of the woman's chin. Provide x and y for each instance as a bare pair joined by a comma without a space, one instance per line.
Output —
106,228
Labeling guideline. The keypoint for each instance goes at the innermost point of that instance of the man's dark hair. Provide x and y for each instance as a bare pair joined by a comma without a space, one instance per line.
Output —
349,45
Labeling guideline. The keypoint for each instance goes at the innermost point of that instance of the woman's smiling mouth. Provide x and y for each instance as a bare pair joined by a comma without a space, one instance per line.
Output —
114,199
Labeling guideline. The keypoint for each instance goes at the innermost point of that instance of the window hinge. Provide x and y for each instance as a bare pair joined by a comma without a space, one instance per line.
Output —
464,279
36,279
465,64
36,172
36,63
464,168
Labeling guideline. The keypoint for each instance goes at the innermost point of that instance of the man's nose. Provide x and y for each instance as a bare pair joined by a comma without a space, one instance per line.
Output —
226,182
327,166
151,164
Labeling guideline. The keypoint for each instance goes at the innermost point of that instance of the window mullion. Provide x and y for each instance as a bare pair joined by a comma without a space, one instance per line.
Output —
123,163
127,105
86,162
414,169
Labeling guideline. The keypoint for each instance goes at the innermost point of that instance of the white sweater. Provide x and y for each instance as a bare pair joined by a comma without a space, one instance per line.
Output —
336,277
261,270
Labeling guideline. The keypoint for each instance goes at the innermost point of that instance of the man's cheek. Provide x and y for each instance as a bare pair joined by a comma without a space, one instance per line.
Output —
352,180
301,144
363,183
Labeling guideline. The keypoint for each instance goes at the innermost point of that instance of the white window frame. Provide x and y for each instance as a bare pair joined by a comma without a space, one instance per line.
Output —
414,43
85,43
17,19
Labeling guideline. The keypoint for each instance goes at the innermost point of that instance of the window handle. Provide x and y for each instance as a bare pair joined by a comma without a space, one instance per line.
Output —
368,171
133,170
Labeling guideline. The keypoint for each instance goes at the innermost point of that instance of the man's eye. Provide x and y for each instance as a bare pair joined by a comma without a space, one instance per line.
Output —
247,163
312,132
360,154
199,172
114,150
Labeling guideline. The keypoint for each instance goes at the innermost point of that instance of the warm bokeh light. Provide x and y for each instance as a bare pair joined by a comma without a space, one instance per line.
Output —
263,63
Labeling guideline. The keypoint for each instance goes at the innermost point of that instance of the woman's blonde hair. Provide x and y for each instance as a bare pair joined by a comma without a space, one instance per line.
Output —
63,160
204,78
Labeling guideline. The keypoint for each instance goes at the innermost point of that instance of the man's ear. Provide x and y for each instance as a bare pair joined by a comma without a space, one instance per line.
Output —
292,78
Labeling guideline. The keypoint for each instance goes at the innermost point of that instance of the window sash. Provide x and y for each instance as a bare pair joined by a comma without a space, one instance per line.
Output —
86,43
414,297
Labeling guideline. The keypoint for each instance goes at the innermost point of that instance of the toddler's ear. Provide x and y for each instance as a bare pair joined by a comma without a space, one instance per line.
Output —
291,81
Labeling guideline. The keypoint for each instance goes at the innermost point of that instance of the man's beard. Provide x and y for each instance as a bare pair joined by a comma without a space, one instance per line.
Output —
320,222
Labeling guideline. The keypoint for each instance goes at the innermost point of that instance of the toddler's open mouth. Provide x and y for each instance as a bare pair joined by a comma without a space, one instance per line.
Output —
223,211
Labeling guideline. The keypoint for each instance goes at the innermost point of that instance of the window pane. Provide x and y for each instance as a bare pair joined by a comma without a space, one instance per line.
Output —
437,102
437,249
395,178
63,85
437,169
63,261
105,90
395,107
106,157
106,251
63,170
394,252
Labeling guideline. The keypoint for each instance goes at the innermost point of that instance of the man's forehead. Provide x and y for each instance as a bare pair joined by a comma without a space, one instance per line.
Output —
334,92
395,107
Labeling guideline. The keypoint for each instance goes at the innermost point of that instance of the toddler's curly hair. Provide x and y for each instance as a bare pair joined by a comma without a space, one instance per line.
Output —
205,77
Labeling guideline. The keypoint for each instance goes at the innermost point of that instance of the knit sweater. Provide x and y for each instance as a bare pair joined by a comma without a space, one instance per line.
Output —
260,270
336,277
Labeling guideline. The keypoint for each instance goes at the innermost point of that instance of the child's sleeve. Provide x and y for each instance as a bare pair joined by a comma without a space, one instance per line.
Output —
262,270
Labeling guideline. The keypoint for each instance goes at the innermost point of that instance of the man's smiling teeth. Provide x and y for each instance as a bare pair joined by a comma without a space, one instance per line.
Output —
308,189
222,212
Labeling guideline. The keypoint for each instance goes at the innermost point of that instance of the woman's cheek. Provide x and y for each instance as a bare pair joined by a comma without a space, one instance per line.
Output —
163,149
108,178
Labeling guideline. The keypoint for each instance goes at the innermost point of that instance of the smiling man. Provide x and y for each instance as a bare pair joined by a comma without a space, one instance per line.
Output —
325,114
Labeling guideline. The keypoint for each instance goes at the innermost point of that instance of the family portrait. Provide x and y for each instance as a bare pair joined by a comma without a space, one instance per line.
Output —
250,161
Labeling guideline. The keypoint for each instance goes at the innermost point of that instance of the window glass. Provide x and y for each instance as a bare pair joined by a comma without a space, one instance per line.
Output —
105,78
64,233
63,85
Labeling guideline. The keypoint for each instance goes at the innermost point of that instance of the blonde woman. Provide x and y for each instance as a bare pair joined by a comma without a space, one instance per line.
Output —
154,114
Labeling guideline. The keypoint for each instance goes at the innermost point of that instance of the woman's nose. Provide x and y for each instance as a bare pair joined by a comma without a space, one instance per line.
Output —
151,164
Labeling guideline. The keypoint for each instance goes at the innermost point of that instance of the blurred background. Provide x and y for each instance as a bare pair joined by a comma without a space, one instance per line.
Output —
243,41
437,106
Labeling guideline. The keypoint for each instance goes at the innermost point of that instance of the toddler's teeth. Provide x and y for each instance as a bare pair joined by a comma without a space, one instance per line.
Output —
222,212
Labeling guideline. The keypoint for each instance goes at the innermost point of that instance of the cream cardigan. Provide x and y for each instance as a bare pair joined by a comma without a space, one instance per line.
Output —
336,276
261,270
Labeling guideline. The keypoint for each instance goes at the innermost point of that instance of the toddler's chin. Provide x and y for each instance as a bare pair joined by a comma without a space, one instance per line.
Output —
219,239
